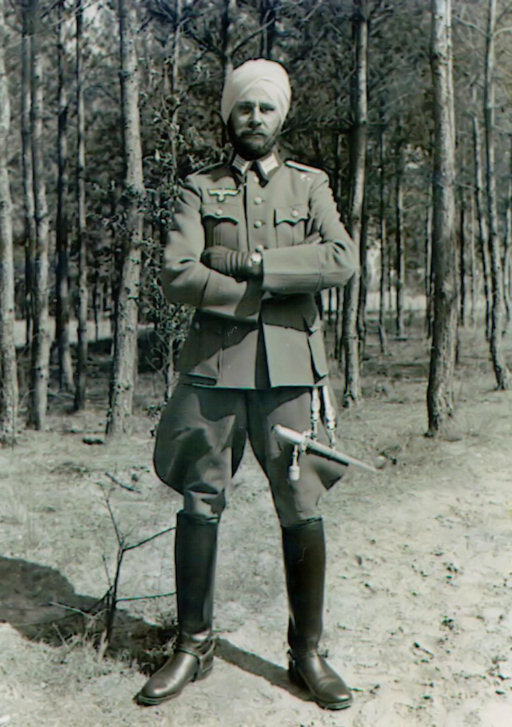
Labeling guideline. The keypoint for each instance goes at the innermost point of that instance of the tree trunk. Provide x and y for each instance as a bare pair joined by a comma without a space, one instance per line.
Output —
440,399
483,235
462,258
352,392
429,282
62,283
267,10
229,18
8,373
40,363
383,239
400,248
507,267
472,258
26,161
499,363
125,343
363,284
167,335
81,239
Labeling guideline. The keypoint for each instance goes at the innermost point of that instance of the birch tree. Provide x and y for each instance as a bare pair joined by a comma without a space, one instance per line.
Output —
8,375
440,398
125,337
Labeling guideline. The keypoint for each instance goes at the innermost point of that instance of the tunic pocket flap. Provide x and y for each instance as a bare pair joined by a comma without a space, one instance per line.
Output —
291,214
221,211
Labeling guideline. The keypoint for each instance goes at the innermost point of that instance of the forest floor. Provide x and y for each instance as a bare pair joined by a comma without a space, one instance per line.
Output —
419,591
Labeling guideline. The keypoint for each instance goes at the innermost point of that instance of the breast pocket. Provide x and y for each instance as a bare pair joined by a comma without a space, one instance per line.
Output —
221,222
290,224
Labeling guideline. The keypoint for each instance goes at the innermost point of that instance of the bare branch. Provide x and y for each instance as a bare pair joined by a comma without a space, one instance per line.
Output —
147,540
116,481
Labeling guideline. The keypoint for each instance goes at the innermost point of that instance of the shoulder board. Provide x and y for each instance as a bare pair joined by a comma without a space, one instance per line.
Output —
302,167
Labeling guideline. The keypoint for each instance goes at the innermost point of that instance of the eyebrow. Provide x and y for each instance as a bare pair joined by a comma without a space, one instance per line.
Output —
252,104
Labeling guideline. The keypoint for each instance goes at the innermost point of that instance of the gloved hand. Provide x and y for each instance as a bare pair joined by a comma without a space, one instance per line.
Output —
235,263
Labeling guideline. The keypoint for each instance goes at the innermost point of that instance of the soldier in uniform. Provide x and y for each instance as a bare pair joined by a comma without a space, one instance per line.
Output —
252,242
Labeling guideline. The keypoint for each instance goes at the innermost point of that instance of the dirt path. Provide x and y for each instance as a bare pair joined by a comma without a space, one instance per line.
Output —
419,598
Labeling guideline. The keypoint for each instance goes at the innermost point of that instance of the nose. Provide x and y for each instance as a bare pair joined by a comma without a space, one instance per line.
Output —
255,119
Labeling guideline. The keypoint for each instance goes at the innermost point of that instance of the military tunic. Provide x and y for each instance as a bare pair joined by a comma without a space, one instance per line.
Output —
247,336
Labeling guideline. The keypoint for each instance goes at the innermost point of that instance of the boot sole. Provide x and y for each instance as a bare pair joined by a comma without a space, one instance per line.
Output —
299,681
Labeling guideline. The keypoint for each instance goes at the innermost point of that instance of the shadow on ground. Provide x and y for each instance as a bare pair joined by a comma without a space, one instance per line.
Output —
42,605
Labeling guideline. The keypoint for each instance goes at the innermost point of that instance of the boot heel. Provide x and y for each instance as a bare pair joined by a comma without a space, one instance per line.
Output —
294,674
203,671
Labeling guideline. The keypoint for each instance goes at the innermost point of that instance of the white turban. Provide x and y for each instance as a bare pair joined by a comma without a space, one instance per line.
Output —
266,75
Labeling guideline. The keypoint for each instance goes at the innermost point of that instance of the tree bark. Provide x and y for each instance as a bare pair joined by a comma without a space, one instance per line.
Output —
125,343
62,283
166,334
462,258
349,337
8,373
483,236
40,345
429,282
363,283
81,239
507,266
400,247
267,12
440,398
26,161
499,363
472,258
382,239
228,39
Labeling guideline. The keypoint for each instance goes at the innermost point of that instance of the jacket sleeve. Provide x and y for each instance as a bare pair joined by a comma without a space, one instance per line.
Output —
186,280
309,268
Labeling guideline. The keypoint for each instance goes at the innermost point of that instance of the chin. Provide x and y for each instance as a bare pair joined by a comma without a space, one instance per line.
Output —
251,149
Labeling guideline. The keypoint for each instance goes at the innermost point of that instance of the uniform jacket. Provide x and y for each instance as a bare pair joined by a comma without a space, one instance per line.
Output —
255,334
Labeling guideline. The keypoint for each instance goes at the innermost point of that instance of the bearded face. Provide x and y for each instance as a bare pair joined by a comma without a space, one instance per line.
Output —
254,124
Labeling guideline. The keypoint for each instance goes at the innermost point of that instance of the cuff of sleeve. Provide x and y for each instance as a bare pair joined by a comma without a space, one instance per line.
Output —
289,268
224,296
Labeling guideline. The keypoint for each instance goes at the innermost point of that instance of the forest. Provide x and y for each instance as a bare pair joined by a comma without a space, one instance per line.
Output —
406,107
105,105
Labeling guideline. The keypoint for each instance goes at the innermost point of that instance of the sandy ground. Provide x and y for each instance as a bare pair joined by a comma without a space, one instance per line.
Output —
418,607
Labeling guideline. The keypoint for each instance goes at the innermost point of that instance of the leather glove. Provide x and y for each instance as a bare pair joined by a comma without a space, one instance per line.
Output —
235,263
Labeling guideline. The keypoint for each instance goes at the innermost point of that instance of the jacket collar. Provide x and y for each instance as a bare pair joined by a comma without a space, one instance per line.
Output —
265,166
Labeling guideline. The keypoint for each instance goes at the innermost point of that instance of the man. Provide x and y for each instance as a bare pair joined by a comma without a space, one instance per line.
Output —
251,245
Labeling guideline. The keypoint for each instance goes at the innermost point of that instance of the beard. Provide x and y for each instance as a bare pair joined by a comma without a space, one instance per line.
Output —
252,145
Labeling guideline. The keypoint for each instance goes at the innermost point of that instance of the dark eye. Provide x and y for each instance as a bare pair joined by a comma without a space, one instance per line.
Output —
267,108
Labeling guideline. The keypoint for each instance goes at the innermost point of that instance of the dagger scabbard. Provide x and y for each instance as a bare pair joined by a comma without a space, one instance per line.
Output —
303,441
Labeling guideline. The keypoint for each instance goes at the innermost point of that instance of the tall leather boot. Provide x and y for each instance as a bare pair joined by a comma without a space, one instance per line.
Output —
195,551
304,560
